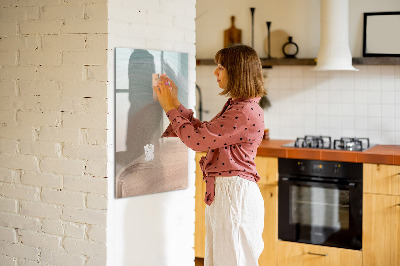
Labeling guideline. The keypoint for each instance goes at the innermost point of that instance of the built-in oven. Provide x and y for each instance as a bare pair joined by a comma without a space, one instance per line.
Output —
320,202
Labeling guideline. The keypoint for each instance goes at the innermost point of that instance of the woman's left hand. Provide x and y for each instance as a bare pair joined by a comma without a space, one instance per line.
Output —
164,95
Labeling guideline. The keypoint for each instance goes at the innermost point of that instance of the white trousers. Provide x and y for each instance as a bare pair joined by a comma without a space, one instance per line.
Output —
234,223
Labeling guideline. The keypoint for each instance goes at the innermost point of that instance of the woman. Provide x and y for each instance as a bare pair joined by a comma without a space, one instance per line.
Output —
235,207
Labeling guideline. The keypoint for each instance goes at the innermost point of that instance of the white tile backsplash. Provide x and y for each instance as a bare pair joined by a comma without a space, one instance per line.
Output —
364,103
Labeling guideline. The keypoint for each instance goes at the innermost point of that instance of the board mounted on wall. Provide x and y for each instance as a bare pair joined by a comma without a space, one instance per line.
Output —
145,163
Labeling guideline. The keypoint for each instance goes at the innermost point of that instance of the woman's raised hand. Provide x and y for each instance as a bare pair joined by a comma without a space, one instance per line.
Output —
174,90
164,95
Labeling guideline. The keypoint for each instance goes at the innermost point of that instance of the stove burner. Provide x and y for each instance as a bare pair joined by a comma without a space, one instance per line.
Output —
351,144
308,141
324,142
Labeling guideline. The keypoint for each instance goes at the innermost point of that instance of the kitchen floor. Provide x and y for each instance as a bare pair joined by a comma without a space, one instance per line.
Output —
199,262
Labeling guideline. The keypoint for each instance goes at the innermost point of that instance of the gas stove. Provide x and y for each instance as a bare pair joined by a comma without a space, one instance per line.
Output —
325,142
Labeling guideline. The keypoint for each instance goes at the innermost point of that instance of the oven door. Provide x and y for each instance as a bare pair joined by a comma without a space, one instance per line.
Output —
321,212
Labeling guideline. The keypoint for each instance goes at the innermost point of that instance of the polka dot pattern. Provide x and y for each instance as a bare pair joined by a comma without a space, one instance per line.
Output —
231,138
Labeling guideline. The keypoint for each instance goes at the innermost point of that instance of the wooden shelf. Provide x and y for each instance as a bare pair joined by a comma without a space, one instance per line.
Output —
312,61
376,61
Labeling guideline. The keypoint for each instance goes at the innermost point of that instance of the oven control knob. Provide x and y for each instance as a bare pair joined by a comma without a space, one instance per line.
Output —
336,169
302,167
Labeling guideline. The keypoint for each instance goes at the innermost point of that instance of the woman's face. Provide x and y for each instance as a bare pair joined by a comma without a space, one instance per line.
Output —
222,76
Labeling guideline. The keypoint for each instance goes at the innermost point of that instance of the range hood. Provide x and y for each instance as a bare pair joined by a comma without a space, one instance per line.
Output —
334,51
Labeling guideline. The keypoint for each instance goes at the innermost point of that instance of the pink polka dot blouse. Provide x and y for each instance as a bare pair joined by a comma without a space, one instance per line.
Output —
231,139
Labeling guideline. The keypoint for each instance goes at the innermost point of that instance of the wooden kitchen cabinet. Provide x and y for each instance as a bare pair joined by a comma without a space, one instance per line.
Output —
381,215
200,207
267,168
381,230
298,254
381,179
270,233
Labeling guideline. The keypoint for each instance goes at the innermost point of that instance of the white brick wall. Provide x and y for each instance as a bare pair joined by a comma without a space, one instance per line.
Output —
53,107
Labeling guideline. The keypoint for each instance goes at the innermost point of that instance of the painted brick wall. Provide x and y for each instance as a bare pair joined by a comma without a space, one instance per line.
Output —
53,105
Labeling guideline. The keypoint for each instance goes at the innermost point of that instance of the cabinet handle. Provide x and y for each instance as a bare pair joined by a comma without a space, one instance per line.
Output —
398,204
318,254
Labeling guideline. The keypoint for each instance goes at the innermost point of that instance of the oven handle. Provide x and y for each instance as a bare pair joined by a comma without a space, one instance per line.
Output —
297,181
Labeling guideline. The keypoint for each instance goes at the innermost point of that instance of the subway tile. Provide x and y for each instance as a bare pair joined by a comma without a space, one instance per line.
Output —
375,136
361,97
388,124
335,95
397,123
388,84
374,110
284,83
298,108
286,132
348,75
297,83
335,122
397,110
322,74
310,95
334,77
296,72
374,83
310,108
308,72
360,124
374,70
334,81
348,122
388,137
361,110
347,109
348,96
374,97
388,110
397,133
334,109
397,72
360,133
388,97
348,132
387,71
322,96
321,83
298,120
322,109
285,72
322,121
374,123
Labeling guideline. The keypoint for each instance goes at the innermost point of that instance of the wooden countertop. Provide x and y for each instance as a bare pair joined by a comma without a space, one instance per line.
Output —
379,154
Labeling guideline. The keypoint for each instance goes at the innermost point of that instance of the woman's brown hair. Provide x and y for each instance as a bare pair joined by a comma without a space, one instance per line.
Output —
245,78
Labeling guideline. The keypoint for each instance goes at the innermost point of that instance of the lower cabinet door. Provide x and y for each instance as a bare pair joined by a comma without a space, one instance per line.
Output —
298,254
381,230
200,207
270,233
